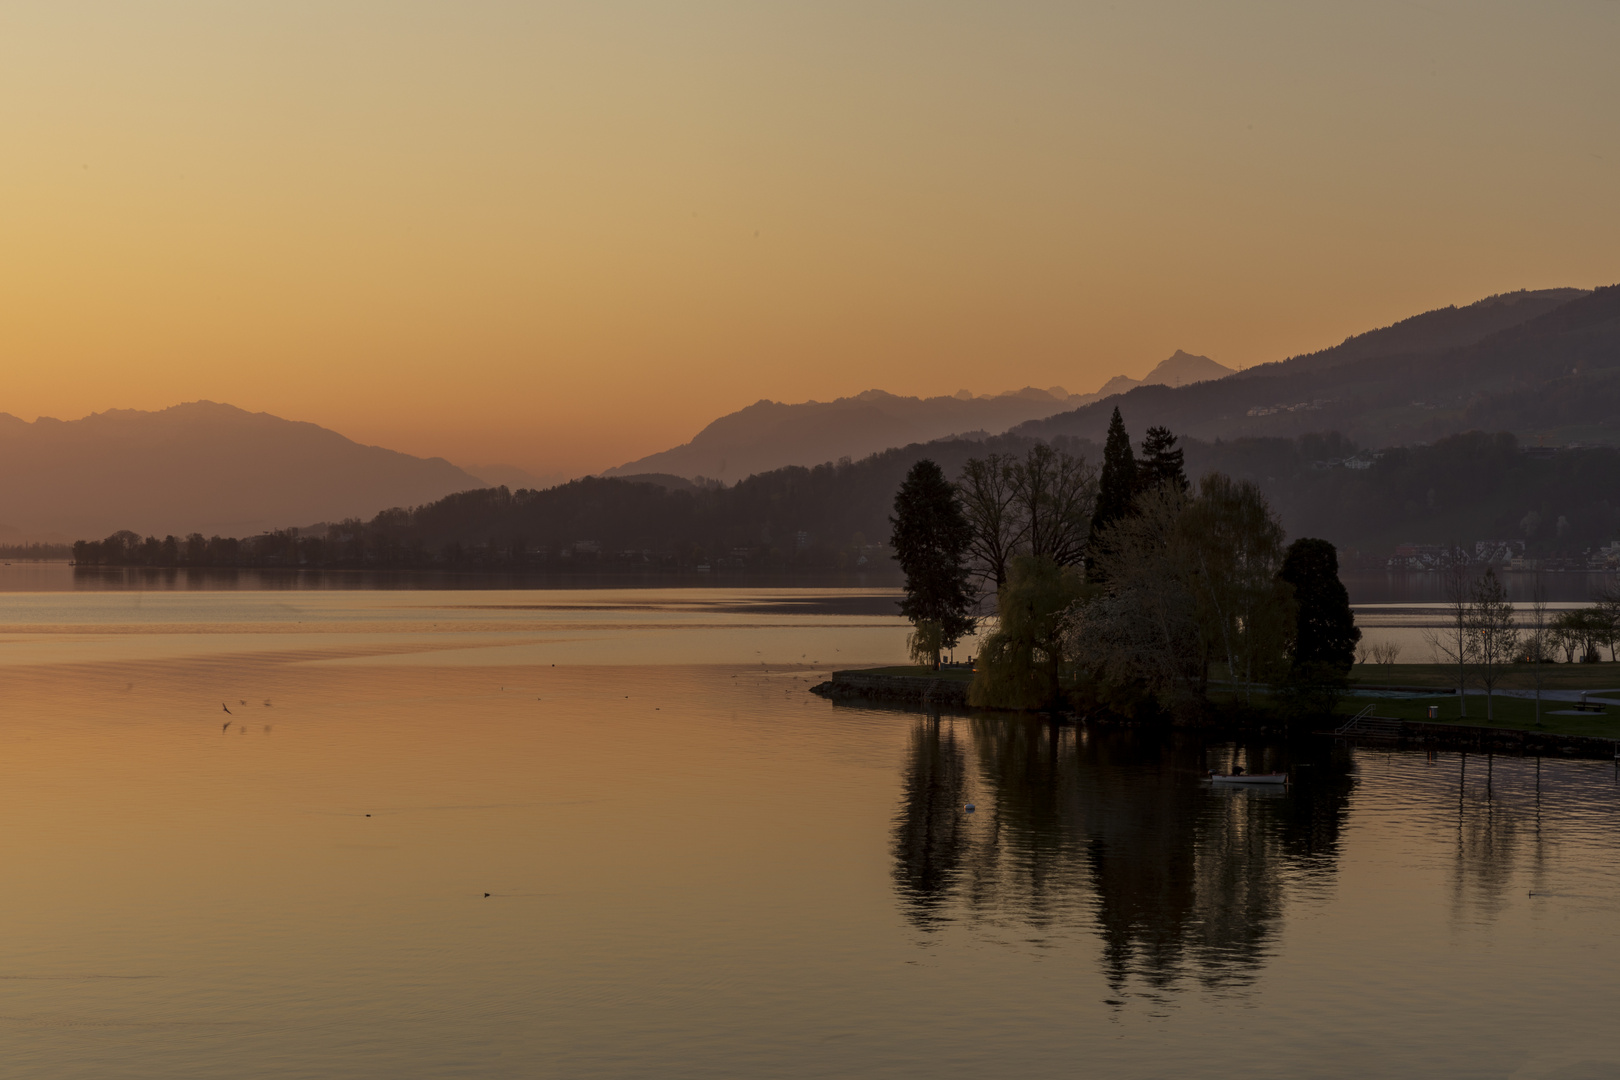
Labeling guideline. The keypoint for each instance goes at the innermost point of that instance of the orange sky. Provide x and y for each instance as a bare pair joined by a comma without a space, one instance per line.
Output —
564,235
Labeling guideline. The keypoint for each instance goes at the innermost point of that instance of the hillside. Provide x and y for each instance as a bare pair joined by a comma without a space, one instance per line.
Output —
769,434
199,467
1552,375
1465,488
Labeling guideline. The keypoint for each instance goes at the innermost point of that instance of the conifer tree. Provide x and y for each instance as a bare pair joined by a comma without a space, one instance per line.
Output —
1116,489
1162,461
931,539
1326,632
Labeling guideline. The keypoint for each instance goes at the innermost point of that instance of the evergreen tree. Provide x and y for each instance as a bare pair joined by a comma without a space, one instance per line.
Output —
1326,631
1116,489
931,542
1162,461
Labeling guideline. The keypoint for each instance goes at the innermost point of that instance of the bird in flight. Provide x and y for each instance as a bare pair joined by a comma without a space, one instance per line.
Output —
227,726
224,706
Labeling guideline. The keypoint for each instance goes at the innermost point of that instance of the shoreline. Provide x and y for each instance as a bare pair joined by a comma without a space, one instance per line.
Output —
949,689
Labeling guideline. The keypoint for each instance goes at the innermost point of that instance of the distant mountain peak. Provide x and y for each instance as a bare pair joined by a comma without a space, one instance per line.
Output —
1182,368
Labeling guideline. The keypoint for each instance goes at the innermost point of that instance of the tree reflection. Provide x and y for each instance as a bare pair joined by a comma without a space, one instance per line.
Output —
930,833
1112,829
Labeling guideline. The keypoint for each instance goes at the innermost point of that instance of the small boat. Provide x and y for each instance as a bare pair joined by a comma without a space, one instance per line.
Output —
1249,778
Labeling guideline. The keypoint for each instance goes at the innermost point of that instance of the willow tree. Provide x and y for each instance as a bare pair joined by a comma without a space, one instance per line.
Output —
1237,542
1138,634
1022,664
1185,579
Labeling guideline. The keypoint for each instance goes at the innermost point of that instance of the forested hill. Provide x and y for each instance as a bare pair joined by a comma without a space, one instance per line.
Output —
1554,375
1461,489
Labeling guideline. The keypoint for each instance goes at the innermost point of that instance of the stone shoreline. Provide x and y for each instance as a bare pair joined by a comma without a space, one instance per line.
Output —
845,685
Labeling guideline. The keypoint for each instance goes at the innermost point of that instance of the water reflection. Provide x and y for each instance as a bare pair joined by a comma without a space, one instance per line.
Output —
1113,830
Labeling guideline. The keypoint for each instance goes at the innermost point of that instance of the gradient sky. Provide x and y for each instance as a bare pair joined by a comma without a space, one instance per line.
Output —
563,235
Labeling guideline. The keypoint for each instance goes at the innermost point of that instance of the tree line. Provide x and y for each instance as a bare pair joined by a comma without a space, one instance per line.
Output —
35,552
1484,634
1122,587
1473,486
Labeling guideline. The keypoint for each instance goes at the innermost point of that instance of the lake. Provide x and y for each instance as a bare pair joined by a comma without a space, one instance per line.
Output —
420,833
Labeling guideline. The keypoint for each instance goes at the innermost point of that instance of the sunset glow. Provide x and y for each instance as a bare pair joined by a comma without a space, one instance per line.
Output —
567,235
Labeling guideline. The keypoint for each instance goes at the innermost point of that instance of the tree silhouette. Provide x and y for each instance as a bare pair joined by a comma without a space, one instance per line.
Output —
1162,461
930,540
1325,628
1116,489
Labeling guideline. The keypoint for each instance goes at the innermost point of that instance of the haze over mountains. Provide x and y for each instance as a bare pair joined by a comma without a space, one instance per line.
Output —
1543,365
198,467
770,434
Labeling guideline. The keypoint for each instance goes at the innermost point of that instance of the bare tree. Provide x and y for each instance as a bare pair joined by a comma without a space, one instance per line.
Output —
1607,602
989,502
1055,494
1385,652
1491,630
1452,644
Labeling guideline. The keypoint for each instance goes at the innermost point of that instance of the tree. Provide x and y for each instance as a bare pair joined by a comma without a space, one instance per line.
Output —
1492,632
1452,643
1139,634
1161,461
930,541
1607,603
1021,665
1325,634
1537,641
1039,506
989,503
1116,489
1237,542
1055,493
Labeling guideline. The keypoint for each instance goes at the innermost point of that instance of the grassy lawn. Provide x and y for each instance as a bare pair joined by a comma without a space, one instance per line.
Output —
1506,713
917,671
1605,676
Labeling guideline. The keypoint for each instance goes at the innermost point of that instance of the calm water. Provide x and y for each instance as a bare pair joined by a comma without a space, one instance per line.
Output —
696,868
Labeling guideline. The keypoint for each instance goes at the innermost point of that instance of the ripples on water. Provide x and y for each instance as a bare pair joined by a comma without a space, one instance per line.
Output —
697,868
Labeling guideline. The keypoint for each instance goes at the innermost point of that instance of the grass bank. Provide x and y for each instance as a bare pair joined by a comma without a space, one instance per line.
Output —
1605,676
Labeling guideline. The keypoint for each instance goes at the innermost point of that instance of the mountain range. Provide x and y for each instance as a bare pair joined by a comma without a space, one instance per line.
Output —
1543,365
770,434
199,467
